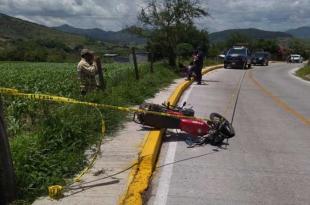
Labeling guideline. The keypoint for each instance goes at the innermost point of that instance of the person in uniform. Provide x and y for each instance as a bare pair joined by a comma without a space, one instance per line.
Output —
196,66
198,62
191,68
87,70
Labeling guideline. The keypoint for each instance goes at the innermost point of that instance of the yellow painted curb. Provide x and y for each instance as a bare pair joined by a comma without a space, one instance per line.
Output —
140,174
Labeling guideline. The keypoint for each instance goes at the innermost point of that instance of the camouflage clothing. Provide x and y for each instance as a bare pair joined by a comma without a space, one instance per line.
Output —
87,75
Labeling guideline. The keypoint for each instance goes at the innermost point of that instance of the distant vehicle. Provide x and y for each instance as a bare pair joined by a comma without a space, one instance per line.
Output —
238,57
295,58
261,58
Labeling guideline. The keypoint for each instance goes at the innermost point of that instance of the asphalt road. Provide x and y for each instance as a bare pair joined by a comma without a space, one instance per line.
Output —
268,162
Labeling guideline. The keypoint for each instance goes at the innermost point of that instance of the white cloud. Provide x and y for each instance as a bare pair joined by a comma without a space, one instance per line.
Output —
116,14
264,14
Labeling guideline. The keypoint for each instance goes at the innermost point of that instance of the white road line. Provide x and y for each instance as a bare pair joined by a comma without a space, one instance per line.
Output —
292,74
164,181
166,173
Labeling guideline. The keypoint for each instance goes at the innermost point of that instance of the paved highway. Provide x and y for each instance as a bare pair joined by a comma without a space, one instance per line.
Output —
268,162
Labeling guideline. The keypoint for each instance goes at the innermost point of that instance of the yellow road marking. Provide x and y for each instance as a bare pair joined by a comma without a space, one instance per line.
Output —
280,102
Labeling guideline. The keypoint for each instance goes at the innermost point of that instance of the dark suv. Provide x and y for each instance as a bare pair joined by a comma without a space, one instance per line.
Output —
238,57
261,58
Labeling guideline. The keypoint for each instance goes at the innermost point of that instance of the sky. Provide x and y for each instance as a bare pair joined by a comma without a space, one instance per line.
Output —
114,15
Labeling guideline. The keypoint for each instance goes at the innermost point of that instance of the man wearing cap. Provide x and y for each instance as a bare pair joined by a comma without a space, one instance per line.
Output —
87,70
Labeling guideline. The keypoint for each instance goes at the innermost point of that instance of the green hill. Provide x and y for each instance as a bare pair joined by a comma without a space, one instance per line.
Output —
14,28
250,33
23,40
302,32
122,36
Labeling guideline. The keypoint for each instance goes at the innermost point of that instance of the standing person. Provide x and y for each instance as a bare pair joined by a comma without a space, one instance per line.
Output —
191,68
87,70
198,62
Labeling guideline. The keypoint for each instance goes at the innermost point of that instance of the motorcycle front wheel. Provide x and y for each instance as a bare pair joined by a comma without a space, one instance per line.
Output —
222,125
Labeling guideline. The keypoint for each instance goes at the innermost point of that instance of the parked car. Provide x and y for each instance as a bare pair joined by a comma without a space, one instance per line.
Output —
295,58
238,57
261,58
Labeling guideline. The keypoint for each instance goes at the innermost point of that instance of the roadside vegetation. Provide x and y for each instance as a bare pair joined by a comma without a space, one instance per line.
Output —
49,140
50,50
304,72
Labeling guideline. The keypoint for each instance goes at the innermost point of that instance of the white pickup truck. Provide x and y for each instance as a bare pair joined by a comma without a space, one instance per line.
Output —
295,58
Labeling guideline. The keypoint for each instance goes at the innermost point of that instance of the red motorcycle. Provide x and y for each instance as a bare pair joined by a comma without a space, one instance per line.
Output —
213,131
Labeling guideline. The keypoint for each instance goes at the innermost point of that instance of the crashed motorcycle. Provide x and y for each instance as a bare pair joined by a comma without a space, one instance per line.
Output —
213,131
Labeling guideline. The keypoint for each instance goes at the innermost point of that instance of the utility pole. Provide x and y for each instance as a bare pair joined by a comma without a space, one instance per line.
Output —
7,175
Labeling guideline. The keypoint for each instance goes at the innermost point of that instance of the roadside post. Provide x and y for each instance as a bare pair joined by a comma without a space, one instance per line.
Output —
152,62
134,57
100,74
7,175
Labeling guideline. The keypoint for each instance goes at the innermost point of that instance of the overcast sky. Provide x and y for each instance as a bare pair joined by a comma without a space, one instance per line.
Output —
117,14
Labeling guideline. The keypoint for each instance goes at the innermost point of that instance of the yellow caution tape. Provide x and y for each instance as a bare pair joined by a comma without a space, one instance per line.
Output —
65,100
55,192
8,90
92,162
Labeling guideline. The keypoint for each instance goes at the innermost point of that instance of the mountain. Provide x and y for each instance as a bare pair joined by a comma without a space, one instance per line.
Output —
123,36
250,33
18,29
302,32
22,40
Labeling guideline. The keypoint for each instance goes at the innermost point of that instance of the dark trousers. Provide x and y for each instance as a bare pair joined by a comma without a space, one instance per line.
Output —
197,72
190,72
198,75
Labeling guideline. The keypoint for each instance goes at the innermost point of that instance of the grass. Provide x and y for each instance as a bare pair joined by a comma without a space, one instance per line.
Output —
49,140
304,72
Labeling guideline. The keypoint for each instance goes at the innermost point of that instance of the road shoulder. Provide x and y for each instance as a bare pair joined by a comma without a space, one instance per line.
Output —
293,73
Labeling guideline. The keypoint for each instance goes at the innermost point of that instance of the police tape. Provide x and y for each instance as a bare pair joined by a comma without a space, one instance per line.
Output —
65,100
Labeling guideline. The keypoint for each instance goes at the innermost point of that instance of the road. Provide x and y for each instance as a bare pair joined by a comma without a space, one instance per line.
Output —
268,160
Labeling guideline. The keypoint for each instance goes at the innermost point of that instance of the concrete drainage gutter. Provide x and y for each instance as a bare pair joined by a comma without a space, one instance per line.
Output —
141,173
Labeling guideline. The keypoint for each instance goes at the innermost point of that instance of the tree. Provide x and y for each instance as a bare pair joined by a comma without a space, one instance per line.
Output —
184,49
214,51
169,21
238,39
298,46
270,45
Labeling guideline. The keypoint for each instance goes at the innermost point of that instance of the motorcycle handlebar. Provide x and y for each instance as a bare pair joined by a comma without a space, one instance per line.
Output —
168,106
